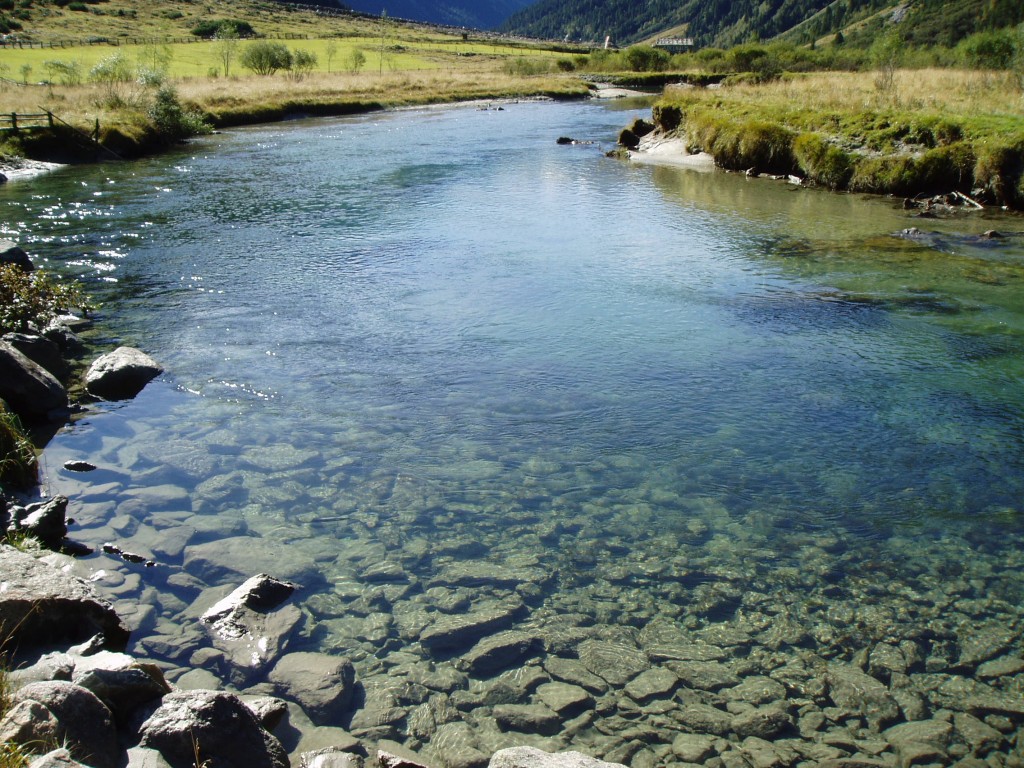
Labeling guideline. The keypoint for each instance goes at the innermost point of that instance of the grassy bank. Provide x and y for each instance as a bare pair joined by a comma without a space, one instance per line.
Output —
899,132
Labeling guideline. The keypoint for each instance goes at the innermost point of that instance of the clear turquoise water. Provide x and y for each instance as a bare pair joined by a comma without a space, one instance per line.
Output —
440,323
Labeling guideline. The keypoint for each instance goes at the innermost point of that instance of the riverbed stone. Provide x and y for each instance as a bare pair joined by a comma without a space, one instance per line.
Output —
450,632
656,683
565,699
703,718
1004,666
704,675
767,723
616,663
573,671
233,559
977,734
527,718
756,690
859,693
532,757
321,684
121,374
498,652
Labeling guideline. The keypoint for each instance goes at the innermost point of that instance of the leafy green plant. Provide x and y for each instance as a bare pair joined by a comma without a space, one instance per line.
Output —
34,298
18,465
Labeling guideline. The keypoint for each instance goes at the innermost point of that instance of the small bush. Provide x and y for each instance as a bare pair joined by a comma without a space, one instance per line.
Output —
174,122
266,58
81,7
34,298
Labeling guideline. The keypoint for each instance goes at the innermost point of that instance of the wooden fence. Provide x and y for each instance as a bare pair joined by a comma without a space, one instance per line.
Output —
12,121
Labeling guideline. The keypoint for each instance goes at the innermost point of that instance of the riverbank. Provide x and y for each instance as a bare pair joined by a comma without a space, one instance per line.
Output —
922,133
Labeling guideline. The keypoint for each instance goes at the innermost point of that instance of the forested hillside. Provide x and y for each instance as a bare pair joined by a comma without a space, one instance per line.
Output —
728,22
478,14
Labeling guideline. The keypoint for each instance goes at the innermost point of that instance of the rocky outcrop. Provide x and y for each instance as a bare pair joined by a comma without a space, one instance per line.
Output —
40,604
121,374
70,715
30,390
192,728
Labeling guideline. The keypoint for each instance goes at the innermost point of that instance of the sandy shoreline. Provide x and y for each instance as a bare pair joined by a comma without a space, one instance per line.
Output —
657,149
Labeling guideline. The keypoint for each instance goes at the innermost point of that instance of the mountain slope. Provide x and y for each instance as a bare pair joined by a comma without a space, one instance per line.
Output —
478,14
728,22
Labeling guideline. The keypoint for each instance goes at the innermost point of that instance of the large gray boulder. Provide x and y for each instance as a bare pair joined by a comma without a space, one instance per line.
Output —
40,350
11,253
251,626
531,757
41,605
80,721
211,728
121,374
30,390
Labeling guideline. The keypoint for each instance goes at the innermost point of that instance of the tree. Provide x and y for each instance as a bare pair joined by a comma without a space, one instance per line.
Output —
356,59
330,51
303,62
226,47
266,58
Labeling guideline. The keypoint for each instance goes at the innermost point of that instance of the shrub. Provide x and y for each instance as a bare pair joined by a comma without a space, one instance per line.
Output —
303,62
64,72
34,297
223,28
645,58
822,162
266,58
988,50
117,78
174,122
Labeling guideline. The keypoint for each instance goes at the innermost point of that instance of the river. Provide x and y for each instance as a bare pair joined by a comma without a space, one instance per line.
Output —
431,364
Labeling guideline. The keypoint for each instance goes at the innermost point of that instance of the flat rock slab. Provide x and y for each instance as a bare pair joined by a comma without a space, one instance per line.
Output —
44,605
614,662
452,632
499,651
121,374
531,757
235,558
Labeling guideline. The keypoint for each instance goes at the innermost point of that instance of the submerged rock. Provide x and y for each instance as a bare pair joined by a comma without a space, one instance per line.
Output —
531,757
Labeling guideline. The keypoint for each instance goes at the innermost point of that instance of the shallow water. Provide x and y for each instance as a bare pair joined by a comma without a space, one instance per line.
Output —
437,338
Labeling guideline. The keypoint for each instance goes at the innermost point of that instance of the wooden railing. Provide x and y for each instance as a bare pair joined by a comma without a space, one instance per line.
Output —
12,121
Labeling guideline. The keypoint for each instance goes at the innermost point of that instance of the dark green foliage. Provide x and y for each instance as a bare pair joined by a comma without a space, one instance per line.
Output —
938,170
644,58
731,22
822,162
989,50
223,28
667,117
174,122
